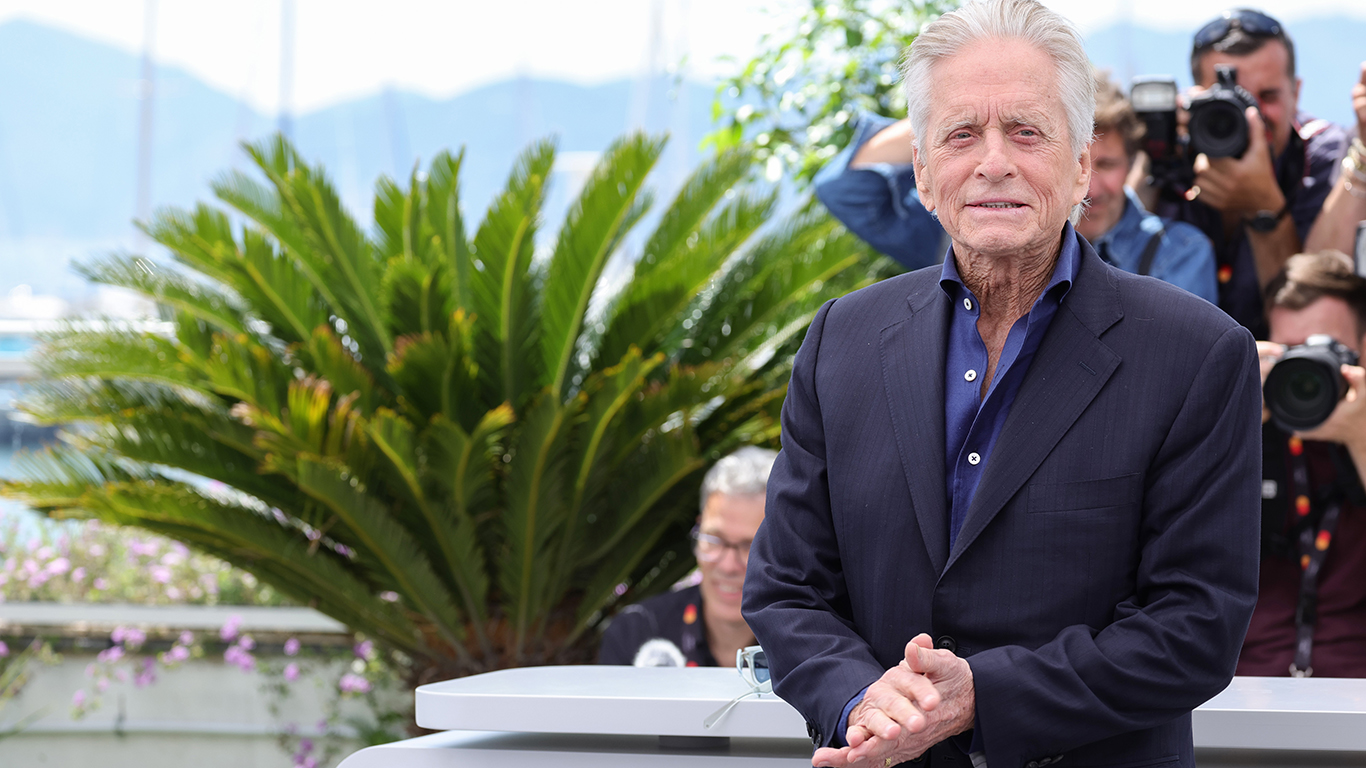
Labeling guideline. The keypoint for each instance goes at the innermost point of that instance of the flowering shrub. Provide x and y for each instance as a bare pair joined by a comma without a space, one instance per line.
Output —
94,563
380,707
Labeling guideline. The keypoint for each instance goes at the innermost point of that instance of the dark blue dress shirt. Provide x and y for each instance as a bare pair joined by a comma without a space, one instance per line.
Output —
971,422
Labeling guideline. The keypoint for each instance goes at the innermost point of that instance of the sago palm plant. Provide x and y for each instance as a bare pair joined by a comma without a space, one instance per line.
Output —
467,448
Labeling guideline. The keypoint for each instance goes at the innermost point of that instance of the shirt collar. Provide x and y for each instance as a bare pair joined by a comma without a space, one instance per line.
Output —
1064,272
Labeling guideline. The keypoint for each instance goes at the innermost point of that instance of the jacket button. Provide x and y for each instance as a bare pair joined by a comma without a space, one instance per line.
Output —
949,644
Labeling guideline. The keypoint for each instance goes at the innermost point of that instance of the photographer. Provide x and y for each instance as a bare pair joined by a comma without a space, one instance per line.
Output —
1311,609
1256,207
870,188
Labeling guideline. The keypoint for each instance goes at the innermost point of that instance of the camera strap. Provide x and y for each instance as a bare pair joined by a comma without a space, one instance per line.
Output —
1290,174
1313,541
1145,260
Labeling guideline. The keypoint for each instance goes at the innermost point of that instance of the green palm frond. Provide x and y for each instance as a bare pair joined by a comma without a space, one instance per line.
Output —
504,284
590,231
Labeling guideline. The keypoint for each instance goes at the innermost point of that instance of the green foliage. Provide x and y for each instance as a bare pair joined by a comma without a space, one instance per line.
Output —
461,441
794,103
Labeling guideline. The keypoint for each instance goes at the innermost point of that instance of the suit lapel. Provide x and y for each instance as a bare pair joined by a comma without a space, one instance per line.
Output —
912,353
1069,369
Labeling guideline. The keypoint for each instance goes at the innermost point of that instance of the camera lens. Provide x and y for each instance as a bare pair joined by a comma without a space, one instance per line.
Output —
1302,392
1218,128
1221,125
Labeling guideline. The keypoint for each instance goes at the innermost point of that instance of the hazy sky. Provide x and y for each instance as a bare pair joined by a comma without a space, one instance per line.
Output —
346,48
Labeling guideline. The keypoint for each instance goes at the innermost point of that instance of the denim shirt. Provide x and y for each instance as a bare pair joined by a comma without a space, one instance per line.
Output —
1185,258
880,204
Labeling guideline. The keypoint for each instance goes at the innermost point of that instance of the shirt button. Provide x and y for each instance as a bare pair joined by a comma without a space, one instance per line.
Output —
967,304
974,459
970,376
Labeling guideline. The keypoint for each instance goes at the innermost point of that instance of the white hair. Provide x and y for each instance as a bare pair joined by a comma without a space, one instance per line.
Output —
743,472
1026,20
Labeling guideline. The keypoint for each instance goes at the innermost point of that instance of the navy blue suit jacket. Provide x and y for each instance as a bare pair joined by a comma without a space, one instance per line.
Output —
1105,574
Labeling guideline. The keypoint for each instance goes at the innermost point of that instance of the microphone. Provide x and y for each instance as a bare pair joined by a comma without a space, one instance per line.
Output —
659,653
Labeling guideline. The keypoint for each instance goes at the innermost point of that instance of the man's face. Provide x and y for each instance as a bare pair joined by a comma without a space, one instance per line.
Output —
734,519
1109,166
997,165
1328,314
1264,73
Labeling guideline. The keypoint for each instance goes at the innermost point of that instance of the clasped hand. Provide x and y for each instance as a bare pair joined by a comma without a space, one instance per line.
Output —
925,699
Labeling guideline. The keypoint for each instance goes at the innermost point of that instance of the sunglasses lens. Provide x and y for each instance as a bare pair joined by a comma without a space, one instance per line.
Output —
761,673
1251,22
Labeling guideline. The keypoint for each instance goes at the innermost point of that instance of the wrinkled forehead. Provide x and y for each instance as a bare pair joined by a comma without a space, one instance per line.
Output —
995,82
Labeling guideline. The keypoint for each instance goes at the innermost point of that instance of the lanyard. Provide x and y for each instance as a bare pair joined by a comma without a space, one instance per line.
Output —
1313,541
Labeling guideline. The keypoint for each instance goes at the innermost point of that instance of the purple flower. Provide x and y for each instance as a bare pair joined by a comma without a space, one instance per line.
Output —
291,671
101,583
292,646
186,638
229,630
110,655
364,650
102,684
161,574
4,649
239,657
352,683
78,699
78,575
96,550
131,637
148,675
247,642
178,653
59,566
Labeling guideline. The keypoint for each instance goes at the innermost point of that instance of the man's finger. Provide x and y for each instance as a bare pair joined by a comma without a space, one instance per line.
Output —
1256,130
831,757
879,724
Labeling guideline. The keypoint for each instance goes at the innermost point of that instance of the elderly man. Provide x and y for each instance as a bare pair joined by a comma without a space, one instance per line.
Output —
1015,514
701,625
870,188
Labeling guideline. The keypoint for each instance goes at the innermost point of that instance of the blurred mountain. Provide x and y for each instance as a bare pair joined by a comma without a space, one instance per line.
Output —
68,142
69,121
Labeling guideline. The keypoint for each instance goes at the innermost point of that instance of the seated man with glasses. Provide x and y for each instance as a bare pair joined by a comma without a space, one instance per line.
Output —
700,625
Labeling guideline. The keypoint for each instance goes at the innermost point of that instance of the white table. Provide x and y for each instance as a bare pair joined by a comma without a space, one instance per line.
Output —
625,716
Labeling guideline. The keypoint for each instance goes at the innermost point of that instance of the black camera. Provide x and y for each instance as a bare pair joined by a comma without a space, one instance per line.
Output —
1218,123
1306,383
1217,127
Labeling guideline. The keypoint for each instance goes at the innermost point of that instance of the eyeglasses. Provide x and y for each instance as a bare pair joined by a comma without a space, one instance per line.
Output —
752,664
1252,22
710,549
